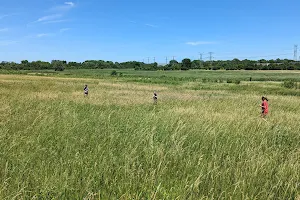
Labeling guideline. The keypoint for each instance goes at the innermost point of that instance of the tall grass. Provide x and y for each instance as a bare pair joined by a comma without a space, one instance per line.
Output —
115,144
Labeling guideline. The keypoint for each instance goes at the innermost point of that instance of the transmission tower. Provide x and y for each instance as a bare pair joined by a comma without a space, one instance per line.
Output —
210,57
200,58
295,52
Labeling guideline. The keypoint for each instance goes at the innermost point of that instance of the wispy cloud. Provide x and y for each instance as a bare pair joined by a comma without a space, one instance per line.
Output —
44,35
55,21
63,8
8,15
7,42
58,12
3,16
134,22
64,29
3,29
70,3
199,43
49,17
151,25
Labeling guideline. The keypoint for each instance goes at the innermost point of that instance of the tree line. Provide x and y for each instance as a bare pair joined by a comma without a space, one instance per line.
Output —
185,64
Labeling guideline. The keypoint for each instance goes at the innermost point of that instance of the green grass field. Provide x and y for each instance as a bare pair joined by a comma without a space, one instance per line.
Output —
190,75
203,140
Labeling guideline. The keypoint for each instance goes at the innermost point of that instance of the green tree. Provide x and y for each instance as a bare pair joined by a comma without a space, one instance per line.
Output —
186,64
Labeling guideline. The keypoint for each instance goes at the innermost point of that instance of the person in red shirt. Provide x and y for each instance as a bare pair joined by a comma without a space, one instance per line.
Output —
264,107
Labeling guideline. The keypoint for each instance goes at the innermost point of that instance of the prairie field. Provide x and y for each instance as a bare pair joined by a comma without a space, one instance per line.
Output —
202,140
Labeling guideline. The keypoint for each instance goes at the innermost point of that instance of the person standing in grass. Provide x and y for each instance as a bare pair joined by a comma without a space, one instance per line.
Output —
86,90
264,107
155,97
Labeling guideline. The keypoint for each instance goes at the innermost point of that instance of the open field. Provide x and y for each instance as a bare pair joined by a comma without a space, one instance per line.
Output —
203,140
176,76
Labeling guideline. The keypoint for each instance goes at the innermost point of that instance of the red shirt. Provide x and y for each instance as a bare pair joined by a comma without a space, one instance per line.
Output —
265,106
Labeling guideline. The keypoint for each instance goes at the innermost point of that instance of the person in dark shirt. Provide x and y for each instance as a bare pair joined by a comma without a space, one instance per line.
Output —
86,90
155,97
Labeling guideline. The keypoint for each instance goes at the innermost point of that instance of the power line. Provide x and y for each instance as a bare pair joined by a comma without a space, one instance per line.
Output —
262,56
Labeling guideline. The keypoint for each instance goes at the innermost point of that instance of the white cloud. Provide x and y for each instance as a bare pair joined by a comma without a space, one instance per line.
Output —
70,3
58,12
64,29
7,42
9,15
199,43
43,35
3,16
55,21
49,17
63,8
3,29
151,25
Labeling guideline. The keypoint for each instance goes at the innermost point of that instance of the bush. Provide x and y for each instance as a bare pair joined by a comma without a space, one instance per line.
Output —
237,82
289,84
229,81
59,68
114,73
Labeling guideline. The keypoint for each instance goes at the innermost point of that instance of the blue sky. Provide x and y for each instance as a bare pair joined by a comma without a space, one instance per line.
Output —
122,30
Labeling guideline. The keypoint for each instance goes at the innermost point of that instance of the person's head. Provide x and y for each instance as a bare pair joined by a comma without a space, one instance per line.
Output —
85,85
264,98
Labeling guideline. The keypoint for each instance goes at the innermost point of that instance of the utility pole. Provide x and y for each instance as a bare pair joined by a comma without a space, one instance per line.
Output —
210,58
148,60
295,52
174,57
166,60
154,59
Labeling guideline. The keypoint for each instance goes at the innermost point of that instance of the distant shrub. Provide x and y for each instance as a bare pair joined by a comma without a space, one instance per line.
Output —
237,82
59,68
229,81
114,73
289,84
204,80
120,74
